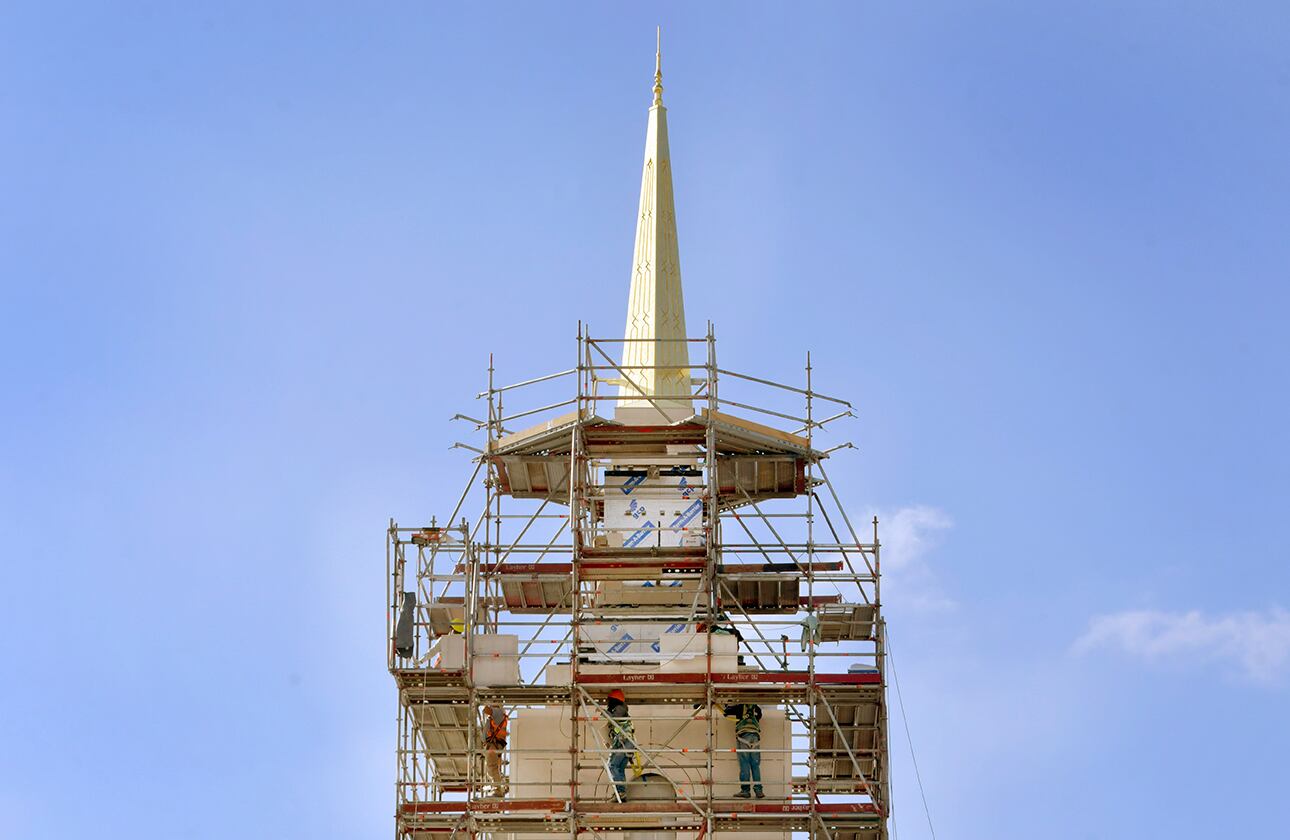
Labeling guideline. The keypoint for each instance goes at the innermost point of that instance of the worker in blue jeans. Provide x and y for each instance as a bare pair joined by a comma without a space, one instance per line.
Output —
747,718
621,737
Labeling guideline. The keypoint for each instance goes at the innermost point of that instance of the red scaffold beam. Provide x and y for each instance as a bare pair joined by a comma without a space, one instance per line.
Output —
485,806
648,561
734,806
591,808
743,677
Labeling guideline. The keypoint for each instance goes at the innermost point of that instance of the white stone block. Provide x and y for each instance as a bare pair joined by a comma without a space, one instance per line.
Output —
449,653
658,511
495,671
689,654
499,643
630,641
495,659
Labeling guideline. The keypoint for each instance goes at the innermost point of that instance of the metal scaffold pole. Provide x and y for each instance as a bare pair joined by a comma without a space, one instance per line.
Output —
575,592
714,559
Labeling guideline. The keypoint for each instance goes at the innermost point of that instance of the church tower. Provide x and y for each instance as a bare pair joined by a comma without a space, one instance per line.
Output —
655,622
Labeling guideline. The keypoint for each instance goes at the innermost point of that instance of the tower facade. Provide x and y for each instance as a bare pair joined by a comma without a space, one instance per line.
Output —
652,617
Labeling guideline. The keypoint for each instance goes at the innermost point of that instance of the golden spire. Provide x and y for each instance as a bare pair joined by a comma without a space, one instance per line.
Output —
656,358
658,67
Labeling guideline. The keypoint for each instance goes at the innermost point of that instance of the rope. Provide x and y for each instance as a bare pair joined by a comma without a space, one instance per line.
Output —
905,719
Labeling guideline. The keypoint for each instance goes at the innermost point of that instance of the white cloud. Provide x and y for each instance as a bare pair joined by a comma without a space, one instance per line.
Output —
908,535
1258,643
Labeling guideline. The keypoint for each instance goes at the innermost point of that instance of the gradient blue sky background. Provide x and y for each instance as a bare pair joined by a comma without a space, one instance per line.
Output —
245,255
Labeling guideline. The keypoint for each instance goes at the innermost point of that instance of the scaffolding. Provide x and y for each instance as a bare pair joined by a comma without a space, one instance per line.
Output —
694,564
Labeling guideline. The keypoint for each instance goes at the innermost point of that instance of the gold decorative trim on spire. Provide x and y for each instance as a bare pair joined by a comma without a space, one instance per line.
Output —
658,67
656,358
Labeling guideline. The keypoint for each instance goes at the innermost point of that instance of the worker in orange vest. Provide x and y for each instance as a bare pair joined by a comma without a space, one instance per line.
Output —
494,742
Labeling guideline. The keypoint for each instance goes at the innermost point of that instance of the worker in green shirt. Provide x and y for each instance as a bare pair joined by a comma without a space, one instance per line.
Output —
747,717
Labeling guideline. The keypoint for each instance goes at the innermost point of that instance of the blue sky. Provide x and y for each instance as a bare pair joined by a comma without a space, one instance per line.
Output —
253,256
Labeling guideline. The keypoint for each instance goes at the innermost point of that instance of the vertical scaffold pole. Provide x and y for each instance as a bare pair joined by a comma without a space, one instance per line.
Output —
813,723
713,557
498,536
471,561
575,606
880,634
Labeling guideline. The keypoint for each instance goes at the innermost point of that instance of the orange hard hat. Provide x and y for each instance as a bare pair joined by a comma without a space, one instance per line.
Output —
617,694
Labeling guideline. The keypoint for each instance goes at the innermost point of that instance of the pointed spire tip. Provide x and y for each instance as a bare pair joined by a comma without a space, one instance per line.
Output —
658,66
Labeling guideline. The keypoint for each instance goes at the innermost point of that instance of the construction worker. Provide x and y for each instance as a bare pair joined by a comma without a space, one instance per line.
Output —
495,726
747,718
621,737
810,629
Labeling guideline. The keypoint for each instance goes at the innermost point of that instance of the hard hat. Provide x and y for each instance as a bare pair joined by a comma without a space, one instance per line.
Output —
617,694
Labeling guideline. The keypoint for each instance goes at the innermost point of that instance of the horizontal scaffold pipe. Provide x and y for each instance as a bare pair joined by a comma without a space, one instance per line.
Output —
762,410
633,367
815,394
595,341
546,378
537,410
